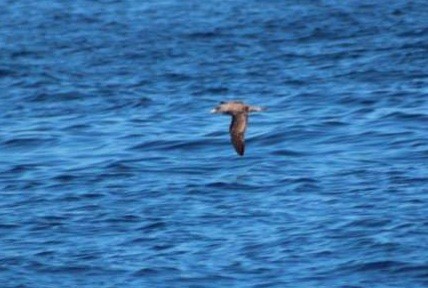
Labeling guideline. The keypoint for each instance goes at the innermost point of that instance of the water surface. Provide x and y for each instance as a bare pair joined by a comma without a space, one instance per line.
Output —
114,174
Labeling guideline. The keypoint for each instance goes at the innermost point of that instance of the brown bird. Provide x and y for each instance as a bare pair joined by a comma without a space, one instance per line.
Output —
239,112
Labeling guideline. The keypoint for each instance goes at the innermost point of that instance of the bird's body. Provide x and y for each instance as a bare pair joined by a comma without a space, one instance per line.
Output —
239,112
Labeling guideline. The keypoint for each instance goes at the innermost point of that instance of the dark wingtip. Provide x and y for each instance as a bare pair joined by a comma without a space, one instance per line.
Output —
240,151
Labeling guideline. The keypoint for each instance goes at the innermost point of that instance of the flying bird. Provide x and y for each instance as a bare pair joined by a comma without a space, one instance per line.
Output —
239,112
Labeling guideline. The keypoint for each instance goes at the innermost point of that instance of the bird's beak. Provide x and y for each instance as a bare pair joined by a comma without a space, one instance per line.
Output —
213,111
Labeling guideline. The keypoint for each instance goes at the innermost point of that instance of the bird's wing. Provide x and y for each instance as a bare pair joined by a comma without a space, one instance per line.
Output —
237,131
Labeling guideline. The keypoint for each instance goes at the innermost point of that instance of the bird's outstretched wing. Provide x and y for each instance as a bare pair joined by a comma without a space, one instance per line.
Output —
237,131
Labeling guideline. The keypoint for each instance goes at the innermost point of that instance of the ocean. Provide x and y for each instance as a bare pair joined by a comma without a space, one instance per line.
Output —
113,173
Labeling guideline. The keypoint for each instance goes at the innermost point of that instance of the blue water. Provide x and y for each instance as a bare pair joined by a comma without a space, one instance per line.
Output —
114,174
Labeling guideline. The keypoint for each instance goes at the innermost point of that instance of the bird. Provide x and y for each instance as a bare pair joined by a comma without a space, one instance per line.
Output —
239,112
